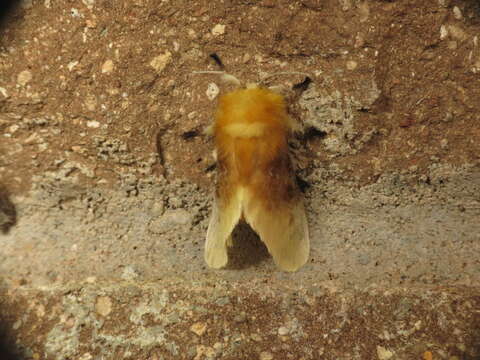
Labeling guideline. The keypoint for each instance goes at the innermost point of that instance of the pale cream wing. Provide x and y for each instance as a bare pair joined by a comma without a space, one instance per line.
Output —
283,229
225,216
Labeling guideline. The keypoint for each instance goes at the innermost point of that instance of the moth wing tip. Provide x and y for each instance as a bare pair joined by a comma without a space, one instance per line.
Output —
216,257
291,265
216,262
289,252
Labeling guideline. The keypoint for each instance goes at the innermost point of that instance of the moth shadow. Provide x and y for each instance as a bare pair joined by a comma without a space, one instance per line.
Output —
8,212
247,249
7,9
8,349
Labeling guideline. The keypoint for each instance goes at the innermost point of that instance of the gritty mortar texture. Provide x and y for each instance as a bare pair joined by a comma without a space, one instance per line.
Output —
404,229
411,237
334,115
202,320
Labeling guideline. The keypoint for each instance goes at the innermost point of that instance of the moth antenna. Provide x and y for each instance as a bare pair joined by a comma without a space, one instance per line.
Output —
284,73
208,72
276,88
225,77
231,79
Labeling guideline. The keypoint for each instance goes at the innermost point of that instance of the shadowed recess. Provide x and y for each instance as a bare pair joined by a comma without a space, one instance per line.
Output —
470,10
7,350
8,213
312,133
7,8
247,250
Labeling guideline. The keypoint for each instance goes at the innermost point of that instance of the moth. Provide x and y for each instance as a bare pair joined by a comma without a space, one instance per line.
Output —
255,178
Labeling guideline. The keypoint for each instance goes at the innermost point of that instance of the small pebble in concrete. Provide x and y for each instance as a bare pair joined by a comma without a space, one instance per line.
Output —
24,77
107,67
256,337
103,305
212,91
265,355
71,65
161,61
93,124
91,279
443,32
218,29
199,328
457,13
384,354
130,273
351,65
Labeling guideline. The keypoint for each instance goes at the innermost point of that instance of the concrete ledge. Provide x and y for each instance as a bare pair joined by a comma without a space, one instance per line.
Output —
172,320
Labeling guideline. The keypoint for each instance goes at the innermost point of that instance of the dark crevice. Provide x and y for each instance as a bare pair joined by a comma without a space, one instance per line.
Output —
7,7
313,133
190,134
302,184
8,212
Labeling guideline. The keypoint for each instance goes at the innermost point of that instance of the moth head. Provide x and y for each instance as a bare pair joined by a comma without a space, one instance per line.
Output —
233,80
289,93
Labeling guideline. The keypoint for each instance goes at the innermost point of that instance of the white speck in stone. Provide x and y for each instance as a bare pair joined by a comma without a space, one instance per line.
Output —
212,91
443,32
457,13
24,77
129,273
71,65
383,354
91,279
75,12
218,29
265,355
89,3
107,66
93,124
161,61
351,65
13,128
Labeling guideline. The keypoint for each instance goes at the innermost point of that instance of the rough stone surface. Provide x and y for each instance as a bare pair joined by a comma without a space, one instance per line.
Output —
106,179
154,320
160,62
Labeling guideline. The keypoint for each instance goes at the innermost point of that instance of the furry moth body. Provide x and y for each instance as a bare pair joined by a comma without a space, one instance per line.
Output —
256,180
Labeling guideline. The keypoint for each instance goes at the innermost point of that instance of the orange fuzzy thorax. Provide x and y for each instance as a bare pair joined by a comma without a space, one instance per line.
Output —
251,128
252,106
